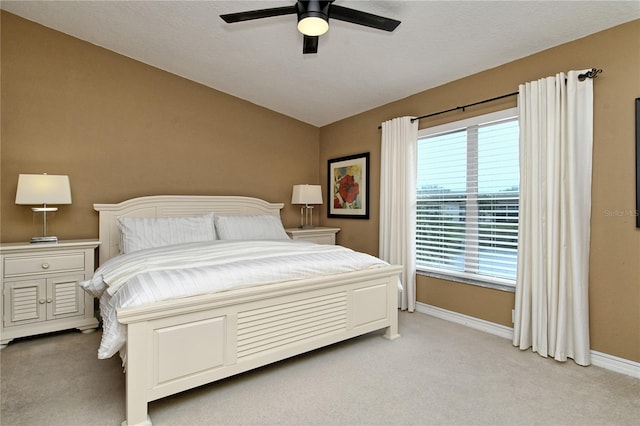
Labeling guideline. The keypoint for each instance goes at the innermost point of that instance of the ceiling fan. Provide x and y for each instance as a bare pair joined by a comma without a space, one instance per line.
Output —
313,19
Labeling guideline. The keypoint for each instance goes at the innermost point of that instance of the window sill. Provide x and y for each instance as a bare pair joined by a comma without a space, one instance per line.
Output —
467,280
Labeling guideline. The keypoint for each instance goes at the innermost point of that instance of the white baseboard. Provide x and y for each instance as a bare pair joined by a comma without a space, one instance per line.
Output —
478,324
599,359
614,363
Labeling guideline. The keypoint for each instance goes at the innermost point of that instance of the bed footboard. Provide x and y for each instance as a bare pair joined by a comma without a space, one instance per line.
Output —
178,345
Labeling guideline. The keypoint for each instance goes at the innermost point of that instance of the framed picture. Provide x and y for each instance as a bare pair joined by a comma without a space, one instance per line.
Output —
348,187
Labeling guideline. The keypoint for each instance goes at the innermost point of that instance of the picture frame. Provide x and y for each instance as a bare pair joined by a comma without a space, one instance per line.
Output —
348,187
637,212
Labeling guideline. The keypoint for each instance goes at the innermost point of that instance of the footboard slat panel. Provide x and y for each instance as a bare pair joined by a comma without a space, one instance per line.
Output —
259,331
287,339
246,319
264,329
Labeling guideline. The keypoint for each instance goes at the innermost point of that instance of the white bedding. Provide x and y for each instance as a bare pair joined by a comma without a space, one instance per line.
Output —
176,271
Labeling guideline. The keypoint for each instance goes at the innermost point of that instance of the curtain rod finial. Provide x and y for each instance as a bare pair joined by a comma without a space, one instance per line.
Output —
590,74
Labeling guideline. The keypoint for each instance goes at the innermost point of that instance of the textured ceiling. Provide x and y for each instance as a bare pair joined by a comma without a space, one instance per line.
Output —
356,68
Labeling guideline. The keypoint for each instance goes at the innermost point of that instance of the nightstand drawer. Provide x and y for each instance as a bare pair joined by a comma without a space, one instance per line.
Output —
14,266
319,235
318,239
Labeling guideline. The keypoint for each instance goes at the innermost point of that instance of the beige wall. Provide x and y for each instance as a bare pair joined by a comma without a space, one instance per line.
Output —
615,242
121,129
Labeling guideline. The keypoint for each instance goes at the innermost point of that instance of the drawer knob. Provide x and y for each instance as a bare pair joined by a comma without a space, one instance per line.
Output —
49,300
41,301
45,266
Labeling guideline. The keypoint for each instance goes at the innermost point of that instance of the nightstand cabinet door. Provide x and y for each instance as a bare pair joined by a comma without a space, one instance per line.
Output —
28,301
24,302
65,298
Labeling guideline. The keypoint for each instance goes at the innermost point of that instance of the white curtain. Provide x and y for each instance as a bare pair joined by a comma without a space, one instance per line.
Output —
398,202
556,139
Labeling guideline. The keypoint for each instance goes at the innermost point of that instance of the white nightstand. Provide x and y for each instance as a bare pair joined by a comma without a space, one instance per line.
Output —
319,235
40,291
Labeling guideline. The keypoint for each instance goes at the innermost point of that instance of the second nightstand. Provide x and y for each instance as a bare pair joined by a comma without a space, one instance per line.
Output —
318,235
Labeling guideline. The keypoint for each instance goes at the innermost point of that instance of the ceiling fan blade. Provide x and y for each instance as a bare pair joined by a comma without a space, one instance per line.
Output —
362,18
310,44
258,14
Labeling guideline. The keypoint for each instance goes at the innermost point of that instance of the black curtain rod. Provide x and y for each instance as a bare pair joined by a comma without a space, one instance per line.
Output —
593,73
465,106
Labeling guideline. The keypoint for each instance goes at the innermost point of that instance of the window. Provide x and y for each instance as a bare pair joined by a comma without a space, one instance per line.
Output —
468,198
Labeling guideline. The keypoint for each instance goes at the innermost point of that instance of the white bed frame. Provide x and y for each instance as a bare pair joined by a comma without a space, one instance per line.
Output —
177,345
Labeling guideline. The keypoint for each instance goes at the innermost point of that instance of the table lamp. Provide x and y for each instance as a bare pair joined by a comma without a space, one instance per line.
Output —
43,189
306,194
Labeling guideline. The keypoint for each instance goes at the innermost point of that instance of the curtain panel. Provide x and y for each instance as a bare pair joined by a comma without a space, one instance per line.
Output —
552,286
398,202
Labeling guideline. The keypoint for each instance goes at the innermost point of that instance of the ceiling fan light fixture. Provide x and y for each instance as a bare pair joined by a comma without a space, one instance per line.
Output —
313,25
313,19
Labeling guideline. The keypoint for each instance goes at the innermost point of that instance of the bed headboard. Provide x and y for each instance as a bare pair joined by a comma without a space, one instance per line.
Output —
172,205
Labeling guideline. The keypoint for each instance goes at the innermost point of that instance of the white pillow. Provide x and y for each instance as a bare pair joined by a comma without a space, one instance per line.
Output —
138,233
257,227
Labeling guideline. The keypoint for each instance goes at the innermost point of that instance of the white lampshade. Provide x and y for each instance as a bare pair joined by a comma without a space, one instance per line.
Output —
43,189
306,194
313,26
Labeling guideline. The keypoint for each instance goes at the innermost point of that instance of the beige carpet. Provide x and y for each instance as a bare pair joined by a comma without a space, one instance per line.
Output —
437,373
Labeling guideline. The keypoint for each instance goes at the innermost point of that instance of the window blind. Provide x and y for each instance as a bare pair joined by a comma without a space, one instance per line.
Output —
467,200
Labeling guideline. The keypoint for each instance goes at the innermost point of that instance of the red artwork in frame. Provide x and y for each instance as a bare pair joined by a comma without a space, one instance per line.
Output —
348,187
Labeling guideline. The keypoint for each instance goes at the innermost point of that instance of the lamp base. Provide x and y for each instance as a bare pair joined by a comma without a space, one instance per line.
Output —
44,240
306,217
